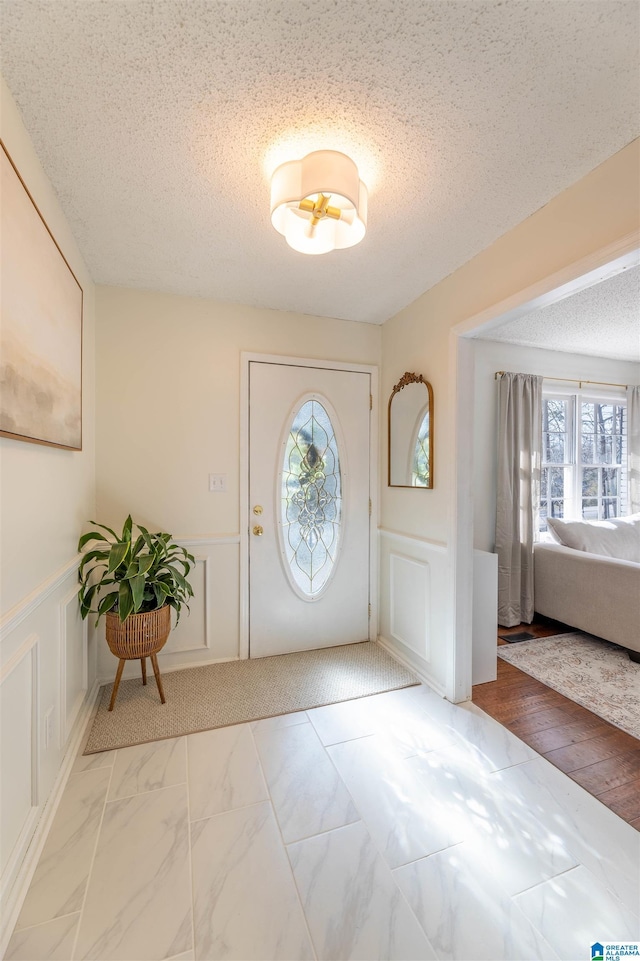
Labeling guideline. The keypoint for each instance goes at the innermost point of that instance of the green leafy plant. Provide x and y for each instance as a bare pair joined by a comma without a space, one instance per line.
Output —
139,573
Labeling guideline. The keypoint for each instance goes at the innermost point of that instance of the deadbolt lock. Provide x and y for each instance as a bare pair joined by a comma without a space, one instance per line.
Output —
258,531
257,509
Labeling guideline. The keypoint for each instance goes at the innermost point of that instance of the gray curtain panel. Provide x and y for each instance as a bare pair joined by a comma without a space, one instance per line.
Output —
519,456
633,448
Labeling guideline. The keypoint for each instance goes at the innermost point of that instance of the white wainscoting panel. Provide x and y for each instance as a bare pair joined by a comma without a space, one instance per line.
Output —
414,588
74,679
485,617
193,632
409,596
19,745
47,663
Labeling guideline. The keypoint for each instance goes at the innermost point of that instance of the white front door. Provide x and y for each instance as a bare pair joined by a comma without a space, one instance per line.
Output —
309,507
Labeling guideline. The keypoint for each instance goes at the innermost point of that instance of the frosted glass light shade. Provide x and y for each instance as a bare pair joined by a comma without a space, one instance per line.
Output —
323,172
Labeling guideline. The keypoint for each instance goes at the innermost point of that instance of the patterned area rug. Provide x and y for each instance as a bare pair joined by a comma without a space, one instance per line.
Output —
590,671
201,698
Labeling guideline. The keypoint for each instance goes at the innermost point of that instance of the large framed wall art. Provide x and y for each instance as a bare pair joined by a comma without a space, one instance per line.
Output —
40,325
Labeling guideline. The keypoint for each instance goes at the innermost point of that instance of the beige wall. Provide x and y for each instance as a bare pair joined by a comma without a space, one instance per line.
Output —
48,654
598,210
168,388
47,494
168,415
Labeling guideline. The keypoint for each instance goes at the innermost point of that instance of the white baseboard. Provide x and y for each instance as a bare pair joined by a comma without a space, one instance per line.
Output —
164,669
411,661
15,897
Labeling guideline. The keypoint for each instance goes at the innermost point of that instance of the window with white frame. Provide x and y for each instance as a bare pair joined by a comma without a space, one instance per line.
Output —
584,455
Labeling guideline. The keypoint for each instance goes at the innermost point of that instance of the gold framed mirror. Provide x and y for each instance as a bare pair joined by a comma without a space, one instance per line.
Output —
410,422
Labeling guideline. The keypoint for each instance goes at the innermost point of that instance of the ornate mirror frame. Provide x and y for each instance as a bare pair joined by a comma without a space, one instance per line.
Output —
407,379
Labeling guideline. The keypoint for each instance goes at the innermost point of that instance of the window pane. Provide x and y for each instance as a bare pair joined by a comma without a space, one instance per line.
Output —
554,415
610,478
610,507
590,509
542,517
604,418
553,482
556,482
605,449
618,444
590,482
588,448
555,448
555,440
588,418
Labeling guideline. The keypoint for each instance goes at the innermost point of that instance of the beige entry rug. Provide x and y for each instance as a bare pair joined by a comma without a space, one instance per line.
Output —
216,695
590,671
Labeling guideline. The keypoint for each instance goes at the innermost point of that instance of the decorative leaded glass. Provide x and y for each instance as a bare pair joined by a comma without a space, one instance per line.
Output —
420,468
311,498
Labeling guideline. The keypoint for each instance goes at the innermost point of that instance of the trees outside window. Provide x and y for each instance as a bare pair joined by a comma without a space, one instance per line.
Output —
584,452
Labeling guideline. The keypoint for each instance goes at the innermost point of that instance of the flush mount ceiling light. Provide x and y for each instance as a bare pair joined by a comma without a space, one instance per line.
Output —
319,203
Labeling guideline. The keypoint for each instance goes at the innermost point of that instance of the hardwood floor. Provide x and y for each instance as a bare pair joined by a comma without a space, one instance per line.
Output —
596,754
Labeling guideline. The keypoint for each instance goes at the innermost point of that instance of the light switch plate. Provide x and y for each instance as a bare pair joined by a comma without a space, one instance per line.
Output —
217,483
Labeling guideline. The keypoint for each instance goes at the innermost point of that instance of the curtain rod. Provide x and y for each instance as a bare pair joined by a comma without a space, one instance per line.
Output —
571,380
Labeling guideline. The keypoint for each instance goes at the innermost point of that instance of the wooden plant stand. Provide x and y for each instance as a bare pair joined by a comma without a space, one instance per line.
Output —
139,636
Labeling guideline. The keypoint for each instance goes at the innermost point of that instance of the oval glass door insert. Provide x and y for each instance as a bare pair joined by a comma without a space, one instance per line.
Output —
311,499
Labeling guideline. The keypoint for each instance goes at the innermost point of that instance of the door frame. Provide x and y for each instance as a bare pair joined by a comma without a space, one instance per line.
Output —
246,358
604,262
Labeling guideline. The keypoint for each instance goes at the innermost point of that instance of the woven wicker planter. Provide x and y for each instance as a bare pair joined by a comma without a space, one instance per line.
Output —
139,636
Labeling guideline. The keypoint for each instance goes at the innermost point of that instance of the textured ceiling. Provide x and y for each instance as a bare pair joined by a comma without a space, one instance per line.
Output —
603,321
160,122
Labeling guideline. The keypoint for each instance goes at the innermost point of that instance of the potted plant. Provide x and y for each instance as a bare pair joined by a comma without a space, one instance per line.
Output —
144,576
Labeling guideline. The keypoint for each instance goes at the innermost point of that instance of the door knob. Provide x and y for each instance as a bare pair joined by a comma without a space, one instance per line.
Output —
258,531
257,509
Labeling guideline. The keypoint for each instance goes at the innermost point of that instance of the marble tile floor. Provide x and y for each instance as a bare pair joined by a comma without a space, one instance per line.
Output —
393,827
